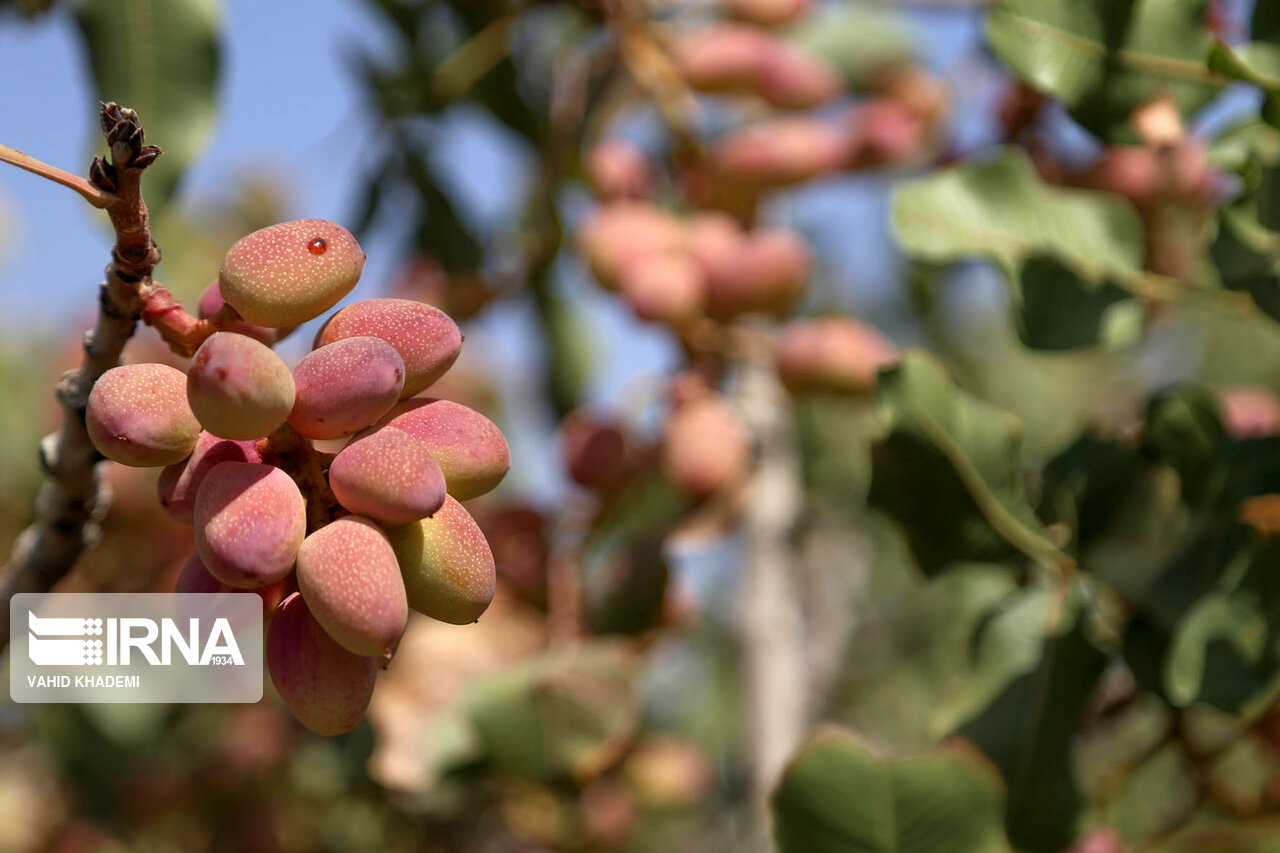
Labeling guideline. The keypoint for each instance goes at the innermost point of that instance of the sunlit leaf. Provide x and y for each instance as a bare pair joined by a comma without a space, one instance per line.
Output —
1027,731
1104,58
1068,254
839,796
964,455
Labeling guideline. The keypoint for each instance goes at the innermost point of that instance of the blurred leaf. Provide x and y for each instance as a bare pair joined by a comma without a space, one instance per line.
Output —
1104,58
1217,653
1223,652
161,58
1247,255
1216,471
1205,628
1243,147
857,39
1183,429
1266,22
1257,63
838,796
440,232
1085,484
1256,836
965,455
1006,642
1062,311
567,714
1027,732
1067,253
633,591
625,567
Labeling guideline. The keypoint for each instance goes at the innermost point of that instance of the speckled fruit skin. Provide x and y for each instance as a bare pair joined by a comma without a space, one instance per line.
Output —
427,338
706,447
389,476
274,277
471,450
325,686
238,387
446,564
349,577
180,482
249,521
138,415
344,386
211,303
195,578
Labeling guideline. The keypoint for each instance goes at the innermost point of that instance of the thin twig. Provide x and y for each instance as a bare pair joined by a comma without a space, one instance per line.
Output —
73,499
96,196
473,59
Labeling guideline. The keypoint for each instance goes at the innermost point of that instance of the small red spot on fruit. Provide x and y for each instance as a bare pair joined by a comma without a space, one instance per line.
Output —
317,246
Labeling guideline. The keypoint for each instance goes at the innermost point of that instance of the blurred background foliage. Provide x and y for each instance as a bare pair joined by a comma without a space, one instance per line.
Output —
1030,578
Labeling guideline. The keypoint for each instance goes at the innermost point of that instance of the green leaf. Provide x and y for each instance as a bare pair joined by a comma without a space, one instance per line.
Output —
965,456
1105,58
1216,471
566,714
1243,147
1007,641
1255,836
1205,629
1184,430
1257,63
859,40
838,796
1216,655
161,58
1070,255
1247,255
1027,732
1085,485
1062,311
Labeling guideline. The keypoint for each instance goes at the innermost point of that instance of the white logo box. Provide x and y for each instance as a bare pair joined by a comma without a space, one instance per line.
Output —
126,647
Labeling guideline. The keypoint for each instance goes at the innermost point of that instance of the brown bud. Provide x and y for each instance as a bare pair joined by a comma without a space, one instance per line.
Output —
102,174
145,156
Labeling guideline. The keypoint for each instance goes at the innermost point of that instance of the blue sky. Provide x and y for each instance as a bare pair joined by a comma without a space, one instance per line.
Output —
284,77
